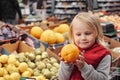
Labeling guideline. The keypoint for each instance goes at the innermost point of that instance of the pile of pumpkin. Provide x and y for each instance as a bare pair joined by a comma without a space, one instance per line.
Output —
51,36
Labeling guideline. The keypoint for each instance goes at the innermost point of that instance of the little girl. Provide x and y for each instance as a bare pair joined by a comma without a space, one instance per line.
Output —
95,61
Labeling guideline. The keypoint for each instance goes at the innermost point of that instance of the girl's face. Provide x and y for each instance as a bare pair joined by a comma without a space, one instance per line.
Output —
84,36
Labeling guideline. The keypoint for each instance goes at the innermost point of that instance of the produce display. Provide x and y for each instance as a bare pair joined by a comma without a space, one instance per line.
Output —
48,31
51,37
115,19
40,64
36,65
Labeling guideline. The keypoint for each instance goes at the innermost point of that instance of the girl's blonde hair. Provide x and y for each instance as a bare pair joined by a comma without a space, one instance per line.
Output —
92,21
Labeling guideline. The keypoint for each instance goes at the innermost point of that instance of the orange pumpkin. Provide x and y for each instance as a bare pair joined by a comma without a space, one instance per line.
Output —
70,52
59,38
36,31
62,28
48,36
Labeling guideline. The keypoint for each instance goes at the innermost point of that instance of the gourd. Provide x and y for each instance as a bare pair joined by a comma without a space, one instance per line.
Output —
36,31
48,36
60,38
62,28
70,52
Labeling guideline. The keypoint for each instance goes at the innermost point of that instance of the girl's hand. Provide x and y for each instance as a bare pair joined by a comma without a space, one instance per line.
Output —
80,62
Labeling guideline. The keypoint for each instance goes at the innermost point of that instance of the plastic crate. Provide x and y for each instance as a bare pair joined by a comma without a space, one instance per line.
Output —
8,32
30,40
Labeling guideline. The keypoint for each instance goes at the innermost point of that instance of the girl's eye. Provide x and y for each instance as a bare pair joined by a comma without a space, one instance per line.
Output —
88,33
78,34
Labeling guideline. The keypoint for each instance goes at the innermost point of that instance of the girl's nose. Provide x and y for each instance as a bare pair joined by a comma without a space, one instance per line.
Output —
83,37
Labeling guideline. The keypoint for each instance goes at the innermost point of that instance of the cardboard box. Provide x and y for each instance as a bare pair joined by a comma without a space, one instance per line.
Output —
54,52
116,56
19,46
30,40
113,43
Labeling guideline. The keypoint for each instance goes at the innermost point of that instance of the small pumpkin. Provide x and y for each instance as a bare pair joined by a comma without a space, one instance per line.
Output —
48,36
36,31
59,38
70,52
62,28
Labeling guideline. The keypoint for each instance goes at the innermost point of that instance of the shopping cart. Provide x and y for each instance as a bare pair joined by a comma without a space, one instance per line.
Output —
115,73
115,69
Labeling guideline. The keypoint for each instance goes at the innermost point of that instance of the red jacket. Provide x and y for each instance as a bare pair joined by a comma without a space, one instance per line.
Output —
93,56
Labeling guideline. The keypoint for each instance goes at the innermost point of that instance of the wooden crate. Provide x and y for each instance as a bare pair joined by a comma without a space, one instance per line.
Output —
54,52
